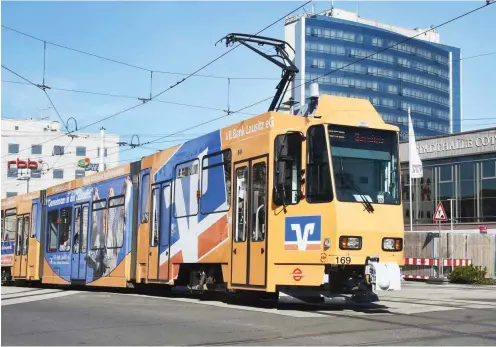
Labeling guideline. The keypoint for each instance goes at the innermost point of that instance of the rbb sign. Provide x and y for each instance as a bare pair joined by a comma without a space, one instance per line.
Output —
23,164
482,229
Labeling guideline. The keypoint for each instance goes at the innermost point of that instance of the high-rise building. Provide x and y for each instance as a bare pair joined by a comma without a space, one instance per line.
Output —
422,73
37,155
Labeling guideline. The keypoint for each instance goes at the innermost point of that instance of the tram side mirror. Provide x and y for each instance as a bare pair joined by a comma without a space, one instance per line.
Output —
287,168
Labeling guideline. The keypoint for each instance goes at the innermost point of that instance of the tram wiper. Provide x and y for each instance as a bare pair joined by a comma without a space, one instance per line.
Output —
351,184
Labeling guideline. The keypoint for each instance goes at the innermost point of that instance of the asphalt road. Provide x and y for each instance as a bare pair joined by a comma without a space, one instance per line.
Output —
419,315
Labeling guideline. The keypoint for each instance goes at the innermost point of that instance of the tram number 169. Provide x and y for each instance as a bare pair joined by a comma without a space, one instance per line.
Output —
343,260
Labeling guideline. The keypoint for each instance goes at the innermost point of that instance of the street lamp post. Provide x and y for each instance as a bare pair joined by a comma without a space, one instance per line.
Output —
27,179
452,236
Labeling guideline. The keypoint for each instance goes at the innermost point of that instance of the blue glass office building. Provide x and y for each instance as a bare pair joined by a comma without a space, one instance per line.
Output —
421,73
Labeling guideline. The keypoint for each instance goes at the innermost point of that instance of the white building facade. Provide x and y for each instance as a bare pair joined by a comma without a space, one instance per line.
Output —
36,154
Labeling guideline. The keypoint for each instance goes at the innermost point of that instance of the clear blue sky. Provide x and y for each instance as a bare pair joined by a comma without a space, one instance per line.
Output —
181,37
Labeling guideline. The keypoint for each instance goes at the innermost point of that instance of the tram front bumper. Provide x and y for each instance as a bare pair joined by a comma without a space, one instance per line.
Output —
383,276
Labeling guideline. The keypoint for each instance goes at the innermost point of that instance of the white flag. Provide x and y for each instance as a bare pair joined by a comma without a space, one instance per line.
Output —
416,170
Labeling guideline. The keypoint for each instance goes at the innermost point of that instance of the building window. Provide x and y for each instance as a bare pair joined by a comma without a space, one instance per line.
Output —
12,173
13,148
36,149
58,173
81,151
80,173
58,150
11,194
36,173
468,199
488,191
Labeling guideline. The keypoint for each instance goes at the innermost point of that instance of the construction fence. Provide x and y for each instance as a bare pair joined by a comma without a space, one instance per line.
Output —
429,254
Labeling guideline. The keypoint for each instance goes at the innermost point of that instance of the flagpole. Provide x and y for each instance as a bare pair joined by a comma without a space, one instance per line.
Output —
410,172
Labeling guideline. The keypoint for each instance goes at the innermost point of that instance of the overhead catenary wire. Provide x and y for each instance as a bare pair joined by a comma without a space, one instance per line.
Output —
124,96
177,83
382,50
43,88
45,42
148,69
163,101
306,82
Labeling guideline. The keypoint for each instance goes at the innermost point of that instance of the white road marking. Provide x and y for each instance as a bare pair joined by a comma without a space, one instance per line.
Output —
17,295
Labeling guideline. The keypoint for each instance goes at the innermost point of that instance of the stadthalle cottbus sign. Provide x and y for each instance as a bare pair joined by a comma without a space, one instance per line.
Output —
455,145
458,144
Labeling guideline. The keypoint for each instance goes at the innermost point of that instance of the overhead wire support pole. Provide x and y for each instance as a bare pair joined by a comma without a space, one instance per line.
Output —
228,96
44,61
151,84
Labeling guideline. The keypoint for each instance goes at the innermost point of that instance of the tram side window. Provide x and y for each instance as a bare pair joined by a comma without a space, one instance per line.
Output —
84,231
318,177
65,229
186,189
77,229
116,222
216,174
53,230
145,188
287,169
25,235
98,224
34,217
10,226
241,204
259,194
155,217
19,236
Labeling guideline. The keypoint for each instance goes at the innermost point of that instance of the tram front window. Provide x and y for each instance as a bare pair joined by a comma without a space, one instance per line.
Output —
365,164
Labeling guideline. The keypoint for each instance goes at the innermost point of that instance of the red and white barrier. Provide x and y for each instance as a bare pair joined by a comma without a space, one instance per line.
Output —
421,261
419,268
457,262
435,262
416,277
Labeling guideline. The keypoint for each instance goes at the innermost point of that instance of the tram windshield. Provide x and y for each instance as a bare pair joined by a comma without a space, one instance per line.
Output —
365,163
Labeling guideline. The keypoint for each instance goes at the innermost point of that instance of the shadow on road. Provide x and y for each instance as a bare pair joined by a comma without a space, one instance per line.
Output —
226,298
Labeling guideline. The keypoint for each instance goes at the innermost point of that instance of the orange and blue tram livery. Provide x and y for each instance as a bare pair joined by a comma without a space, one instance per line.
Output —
299,207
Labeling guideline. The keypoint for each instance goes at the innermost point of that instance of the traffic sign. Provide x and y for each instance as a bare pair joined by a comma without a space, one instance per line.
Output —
440,214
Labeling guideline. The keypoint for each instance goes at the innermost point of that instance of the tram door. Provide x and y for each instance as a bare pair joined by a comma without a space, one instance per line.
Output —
21,255
79,242
249,247
158,258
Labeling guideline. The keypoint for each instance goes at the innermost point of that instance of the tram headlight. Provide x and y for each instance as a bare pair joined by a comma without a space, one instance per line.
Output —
350,242
392,244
